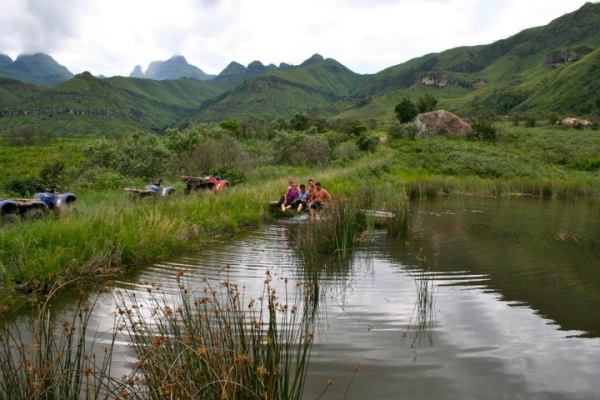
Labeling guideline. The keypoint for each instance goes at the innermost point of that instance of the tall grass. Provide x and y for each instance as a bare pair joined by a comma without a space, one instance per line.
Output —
55,359
215,345
334,233
208,343
114,232
398,220
423,316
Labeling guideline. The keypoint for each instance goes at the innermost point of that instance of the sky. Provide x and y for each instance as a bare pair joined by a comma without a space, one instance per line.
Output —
111,37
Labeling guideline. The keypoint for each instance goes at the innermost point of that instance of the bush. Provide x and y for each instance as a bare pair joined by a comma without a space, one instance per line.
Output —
301,149
368,142
405,131
347,151
406,111
530,122
52,172
485,131
21,186
426,103
484,128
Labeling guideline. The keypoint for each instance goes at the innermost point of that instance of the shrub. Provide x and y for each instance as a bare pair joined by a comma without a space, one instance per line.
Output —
21,186
406,111
484,128
367,142
301,149
403,131
485,132
426,103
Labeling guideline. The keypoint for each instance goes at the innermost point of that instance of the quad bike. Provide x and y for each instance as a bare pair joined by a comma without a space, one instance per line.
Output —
46,200
55,201
210,182
154,190
12,210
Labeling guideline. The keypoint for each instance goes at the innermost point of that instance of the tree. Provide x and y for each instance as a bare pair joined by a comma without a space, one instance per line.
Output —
232,125
300,122
426,103
405,111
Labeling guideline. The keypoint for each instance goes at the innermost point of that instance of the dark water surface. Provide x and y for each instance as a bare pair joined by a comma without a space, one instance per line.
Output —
485,299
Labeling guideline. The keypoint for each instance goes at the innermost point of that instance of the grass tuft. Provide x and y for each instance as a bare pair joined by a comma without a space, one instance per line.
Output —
214,345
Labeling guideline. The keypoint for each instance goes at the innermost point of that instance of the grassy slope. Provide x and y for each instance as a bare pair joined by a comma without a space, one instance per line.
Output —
571,90
13,91
112,107
319,87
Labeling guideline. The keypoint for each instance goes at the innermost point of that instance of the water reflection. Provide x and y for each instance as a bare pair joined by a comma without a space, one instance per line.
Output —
543,254
483,298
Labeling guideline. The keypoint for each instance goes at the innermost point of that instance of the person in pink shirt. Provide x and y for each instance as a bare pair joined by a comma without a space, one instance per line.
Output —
289,197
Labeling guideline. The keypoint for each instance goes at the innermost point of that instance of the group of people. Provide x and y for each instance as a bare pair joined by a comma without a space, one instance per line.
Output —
314,197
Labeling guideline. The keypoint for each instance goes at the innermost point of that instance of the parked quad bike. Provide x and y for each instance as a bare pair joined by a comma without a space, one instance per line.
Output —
13,210
55,201
47,200
210,182
154,190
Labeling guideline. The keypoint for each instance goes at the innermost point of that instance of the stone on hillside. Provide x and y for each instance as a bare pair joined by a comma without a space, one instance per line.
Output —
441,122
576,123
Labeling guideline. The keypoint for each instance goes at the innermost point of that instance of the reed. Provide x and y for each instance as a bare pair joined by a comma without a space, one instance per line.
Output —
397,222
333,233
423,316
214,345
55,359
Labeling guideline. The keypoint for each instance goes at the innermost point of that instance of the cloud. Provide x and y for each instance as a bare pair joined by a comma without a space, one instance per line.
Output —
36,25
113,36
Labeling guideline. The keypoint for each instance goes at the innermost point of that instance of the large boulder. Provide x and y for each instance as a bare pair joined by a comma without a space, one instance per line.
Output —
576,123
441,122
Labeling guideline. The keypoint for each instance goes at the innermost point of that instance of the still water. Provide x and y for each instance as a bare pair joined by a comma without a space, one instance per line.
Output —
484,299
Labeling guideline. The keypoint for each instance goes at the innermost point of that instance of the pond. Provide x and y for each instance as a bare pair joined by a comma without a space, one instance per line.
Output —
484,298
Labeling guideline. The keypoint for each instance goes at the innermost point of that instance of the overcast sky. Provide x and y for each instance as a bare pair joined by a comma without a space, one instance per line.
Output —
111,37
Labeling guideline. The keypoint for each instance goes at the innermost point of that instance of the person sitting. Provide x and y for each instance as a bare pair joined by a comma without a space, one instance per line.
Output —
319,198
289,196
302,198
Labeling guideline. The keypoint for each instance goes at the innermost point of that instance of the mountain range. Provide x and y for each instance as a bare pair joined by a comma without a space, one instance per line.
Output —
549,69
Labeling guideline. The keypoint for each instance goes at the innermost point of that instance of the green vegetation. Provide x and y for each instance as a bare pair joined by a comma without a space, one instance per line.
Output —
215,346
211,346
318,120
406,111
54,359
109,230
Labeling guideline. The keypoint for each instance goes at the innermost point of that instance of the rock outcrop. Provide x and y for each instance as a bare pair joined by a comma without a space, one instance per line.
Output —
441,122
137,72
576,123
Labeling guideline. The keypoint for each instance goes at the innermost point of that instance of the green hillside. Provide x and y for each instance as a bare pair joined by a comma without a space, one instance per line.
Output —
88,106
39,69
541,70
502,77
13,91
575,89
319,86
